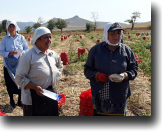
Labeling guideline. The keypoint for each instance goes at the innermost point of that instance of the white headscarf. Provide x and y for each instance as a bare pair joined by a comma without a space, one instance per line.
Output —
38,33
11,22
105,35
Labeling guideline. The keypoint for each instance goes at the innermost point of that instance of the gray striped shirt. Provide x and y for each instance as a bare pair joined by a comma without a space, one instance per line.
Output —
39,68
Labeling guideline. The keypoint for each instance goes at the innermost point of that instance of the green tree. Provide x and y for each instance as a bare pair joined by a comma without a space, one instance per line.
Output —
89,27
1,30
39,22
60,24
36,25
51,25
28,29
4,26
133,19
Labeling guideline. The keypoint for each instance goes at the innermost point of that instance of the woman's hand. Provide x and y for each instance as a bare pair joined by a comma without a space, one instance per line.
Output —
39,91
102,77
20,55
12,53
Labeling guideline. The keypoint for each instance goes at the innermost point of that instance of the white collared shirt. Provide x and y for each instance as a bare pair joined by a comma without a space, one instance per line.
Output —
39,68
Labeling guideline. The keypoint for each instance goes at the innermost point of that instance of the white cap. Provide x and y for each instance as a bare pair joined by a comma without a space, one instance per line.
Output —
38,33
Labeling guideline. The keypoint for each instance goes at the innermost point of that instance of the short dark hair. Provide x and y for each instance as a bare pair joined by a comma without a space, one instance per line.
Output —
39,38
12,24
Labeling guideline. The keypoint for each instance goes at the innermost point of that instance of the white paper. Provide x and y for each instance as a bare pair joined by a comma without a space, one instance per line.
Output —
18,53
51,95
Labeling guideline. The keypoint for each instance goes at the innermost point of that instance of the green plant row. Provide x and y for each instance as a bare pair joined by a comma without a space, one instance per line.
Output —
76,63
141,49
73,56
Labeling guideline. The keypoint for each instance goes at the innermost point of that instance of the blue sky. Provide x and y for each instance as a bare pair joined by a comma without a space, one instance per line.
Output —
108,10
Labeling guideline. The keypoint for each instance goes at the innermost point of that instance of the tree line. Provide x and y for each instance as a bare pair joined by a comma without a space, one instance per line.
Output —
60,23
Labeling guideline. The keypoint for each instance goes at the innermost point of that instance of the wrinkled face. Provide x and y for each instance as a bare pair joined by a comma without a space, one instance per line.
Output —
114,36
11,28
43,43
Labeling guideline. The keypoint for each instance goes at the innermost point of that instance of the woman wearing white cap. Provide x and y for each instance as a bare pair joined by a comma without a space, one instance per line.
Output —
109,67
40,68
12,44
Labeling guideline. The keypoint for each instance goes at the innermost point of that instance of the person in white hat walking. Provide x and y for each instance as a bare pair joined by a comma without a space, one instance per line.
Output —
12,44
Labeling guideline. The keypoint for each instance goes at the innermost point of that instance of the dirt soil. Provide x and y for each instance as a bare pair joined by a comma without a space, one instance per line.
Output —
72,84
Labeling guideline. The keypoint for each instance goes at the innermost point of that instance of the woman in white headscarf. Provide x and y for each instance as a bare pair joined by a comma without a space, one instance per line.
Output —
40,68
12,44
109,67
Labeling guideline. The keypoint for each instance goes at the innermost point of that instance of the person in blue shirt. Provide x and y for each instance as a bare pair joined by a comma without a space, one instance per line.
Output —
12,46
109,67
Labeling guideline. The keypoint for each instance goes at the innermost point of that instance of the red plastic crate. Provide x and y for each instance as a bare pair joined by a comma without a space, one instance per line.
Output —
64,58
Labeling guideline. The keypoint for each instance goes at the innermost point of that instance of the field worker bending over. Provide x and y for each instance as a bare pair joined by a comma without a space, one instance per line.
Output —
40,68
13,43
109,67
